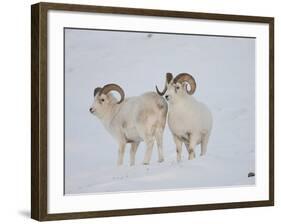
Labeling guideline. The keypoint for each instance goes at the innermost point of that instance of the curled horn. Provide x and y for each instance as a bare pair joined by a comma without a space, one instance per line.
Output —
113,87
185,77
97,90
169,78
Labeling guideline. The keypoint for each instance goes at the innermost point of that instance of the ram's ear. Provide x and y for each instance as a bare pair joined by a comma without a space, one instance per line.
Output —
186,86
96,91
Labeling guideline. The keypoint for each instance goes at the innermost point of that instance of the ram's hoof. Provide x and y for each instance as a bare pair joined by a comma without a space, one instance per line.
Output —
160,160
145,163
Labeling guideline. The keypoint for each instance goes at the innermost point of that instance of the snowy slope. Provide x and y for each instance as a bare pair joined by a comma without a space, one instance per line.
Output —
224,69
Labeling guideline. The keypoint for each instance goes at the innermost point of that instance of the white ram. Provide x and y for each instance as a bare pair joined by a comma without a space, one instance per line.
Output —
189,120
132,120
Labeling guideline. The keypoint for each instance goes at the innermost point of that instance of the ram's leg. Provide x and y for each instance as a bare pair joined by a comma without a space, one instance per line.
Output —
178,143
134,147
121,152
159,140
204,144
192,144
149,146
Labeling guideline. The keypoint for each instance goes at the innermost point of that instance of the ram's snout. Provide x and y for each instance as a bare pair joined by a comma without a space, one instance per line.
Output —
92,110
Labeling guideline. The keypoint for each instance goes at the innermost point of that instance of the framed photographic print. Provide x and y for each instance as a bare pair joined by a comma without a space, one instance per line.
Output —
141,111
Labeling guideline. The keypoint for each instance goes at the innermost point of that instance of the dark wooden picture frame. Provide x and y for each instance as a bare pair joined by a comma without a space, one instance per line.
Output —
39,106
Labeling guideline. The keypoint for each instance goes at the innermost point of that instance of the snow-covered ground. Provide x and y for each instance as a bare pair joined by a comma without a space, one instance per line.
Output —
224,69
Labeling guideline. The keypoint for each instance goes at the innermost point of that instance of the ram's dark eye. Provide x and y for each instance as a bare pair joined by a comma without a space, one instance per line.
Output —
177,87
102,100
